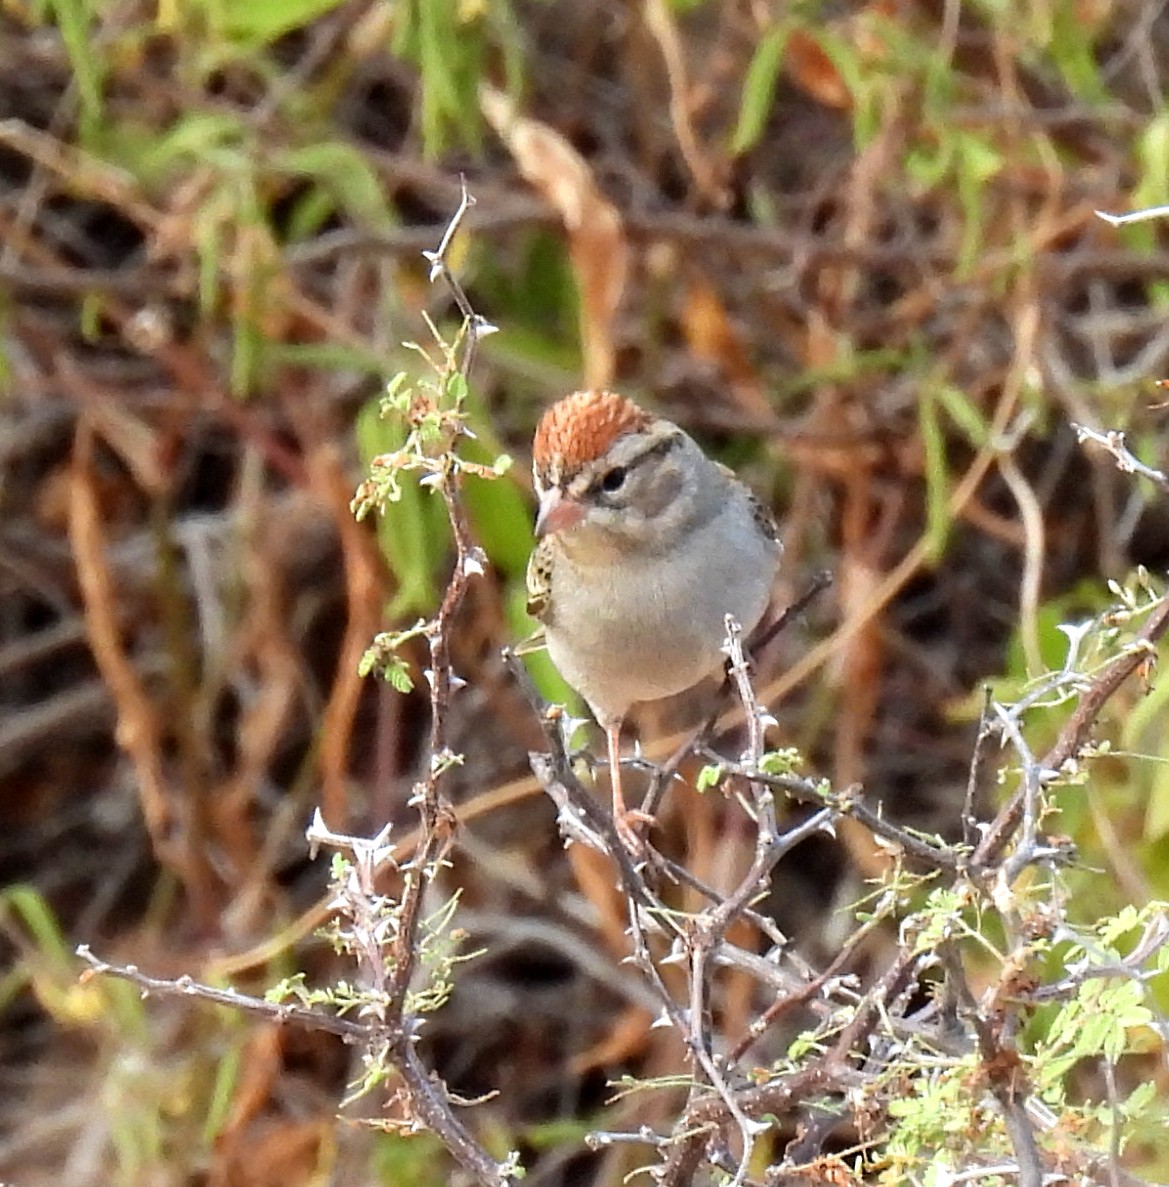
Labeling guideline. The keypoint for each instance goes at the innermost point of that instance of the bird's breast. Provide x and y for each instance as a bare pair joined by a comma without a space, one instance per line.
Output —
654,626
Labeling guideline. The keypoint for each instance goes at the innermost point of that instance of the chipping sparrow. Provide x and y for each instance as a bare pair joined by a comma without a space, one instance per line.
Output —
645,545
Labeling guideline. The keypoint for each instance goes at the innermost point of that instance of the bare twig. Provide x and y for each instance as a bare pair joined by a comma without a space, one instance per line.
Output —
1032,780
187,987
850,803
1113,442
987,729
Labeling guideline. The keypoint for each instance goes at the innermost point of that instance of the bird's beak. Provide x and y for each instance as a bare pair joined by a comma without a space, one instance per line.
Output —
557,513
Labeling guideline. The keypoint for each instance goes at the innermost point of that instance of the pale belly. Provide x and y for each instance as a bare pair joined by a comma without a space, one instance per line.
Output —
648,632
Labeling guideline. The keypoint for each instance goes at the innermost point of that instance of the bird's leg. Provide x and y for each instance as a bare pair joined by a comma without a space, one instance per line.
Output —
624,817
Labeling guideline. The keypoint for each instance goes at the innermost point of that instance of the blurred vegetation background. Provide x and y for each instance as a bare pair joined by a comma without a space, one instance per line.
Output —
851,247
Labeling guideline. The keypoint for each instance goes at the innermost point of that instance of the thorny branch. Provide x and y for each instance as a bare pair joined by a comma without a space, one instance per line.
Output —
858,1054
437,819
864,1037
279,1012
385,936
702,737
1074,735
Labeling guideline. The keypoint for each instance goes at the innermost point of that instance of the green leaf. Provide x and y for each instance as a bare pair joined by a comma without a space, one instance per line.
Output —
860,81
1142,732
787,761
309,213
929,163
343,172
437,46
51,968
258,22
759,88
456,388
1153,187
963,413
74,20
708,778
396,673
329,356
219,1105
1157,804
395,399
412,532
937,476
975,162
193,137
40,922
414,1160
208,250
500,516
1072,50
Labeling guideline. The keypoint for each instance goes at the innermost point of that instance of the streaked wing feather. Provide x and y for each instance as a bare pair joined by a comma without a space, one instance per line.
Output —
764,520
539,579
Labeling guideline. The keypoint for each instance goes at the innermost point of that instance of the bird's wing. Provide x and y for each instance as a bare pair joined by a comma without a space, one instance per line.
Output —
764,520
539,579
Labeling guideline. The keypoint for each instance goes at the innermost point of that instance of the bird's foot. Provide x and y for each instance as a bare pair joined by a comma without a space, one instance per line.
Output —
627,820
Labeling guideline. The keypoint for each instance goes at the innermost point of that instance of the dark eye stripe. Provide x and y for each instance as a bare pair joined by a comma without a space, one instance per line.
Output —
655,446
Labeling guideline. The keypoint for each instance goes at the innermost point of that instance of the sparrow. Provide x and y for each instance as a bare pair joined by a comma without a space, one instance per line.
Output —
644,546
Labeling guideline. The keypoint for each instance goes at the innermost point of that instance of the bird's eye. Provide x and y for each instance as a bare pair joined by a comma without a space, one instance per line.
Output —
613,479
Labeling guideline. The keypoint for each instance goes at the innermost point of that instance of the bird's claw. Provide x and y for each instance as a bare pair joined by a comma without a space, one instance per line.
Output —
627,822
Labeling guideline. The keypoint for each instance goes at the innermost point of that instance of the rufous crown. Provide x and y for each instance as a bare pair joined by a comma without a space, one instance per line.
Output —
581,427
